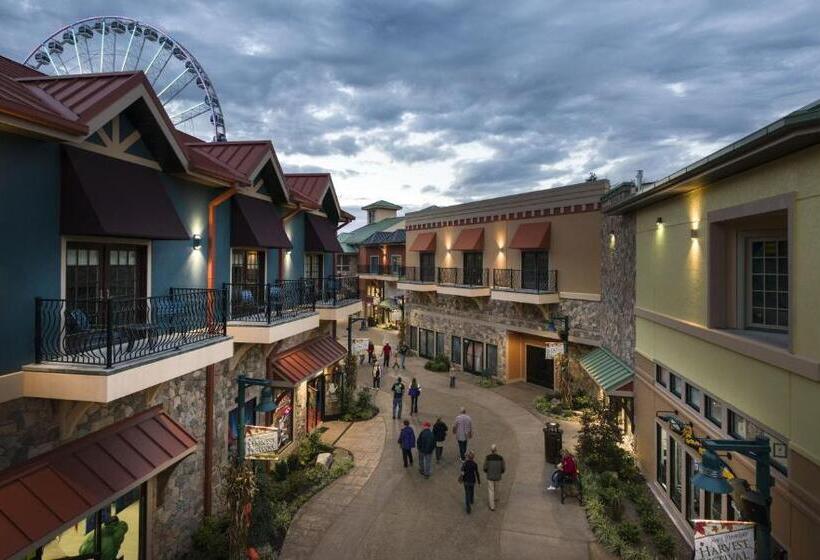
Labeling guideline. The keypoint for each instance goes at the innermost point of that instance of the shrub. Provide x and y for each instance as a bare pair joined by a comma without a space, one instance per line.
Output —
629,533
210,540
261,532
361,408
440,363
581,400
612,497
280,470
310,447
665,545
547,404
599,439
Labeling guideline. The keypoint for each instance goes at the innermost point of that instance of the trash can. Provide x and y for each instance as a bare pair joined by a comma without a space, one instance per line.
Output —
553,441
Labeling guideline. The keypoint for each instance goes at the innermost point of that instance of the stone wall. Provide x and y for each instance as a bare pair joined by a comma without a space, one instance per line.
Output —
488,321
30,427
617,323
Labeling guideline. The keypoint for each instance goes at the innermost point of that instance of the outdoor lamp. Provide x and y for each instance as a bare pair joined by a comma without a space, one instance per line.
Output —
266,403
197,242
551,325
659,221
710,474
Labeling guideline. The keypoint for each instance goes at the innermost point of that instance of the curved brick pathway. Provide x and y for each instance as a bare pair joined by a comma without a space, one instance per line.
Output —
381,510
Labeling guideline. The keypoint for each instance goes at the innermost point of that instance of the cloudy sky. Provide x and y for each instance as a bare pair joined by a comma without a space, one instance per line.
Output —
446,101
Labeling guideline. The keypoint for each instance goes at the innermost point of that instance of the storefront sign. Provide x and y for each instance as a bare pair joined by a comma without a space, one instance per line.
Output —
262,441
724,540
554,350
359,346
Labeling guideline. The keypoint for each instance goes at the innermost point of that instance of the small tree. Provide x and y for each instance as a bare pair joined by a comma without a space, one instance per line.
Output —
240,489
565,388
599,438
351,374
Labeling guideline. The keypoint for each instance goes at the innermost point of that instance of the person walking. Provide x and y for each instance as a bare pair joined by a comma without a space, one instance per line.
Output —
386,349
403,350
370,350
463,429
377,376
398,395
426,443
414,392
452,378
469,477
407,441
494,467
440,433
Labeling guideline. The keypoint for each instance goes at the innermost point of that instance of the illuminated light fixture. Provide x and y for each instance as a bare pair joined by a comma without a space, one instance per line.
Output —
612,239
693,233
197,242
659,221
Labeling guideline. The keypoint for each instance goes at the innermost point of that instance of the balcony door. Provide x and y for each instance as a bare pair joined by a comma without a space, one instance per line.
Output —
427,265
473,269
374,264
247,283
313,265
534,266
96,271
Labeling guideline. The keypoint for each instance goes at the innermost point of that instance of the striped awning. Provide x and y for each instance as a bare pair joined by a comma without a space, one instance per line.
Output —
608,371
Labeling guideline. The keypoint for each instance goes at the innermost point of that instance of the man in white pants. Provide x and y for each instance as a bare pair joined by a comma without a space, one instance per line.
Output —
493,467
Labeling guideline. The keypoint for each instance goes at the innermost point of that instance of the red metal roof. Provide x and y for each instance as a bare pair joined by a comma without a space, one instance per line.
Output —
40,498
243,157
14,69
30,104
310,187
305,359
532,236
469,240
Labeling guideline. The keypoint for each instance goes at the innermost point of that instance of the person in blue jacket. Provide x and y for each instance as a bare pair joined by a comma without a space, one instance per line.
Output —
407,441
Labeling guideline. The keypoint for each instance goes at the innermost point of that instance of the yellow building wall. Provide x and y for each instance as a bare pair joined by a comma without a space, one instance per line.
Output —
671,279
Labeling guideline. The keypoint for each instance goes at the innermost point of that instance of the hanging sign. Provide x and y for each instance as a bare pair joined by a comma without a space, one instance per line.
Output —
262,441
359,346
724,540
553,350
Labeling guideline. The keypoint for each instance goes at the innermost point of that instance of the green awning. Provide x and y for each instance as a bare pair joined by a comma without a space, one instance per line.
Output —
608,371
389,304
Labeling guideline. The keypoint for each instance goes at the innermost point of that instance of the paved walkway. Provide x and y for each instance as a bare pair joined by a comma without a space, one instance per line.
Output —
381,510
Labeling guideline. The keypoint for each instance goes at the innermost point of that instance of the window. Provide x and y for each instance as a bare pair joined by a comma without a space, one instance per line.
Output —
767,302
714,505
675,465
247,267
455,354
674,384
692,492
395,265
473,356
660,375
441,349
661,460
374,264
426,341
313,265
713,410
414,338
693,397
492,359
737,425
427,266
473,269
741,427
535,270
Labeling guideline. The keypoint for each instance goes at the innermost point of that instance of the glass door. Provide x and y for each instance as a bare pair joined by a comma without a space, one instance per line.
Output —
427,262
247,283
473,269
534,266
473,356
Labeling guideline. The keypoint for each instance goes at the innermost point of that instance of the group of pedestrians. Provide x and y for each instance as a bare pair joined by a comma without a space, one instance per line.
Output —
384,358
431,440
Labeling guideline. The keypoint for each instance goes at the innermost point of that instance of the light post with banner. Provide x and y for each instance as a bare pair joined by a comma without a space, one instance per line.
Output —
266,404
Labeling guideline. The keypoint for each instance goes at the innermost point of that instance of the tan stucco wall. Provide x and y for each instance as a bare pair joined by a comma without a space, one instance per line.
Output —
574,248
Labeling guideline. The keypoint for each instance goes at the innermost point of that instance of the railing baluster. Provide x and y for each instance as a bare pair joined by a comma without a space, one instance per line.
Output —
109,333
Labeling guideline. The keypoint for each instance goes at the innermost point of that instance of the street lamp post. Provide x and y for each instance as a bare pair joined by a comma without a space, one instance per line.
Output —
564,332
350,322
266,404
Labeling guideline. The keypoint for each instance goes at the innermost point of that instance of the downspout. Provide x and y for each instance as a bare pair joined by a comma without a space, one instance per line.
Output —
210,371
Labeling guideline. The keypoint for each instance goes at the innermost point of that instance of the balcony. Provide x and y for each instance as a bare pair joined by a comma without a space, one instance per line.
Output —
468,282
417,279
337,297
389,272
116,347
525,286
267,313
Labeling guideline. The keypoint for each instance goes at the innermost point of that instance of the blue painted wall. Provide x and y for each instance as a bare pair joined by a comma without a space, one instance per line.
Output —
29,241
329,266
295,261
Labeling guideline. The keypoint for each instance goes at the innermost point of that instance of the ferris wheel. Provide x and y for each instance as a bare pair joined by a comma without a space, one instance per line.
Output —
119,44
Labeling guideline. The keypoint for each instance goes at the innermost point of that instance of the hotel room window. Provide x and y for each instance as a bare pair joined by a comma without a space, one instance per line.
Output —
767,303
713,410
674,384
660,375
693,397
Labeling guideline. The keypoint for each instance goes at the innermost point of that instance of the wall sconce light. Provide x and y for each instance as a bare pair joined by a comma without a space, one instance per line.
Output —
693,233
197,242
659,221
611,238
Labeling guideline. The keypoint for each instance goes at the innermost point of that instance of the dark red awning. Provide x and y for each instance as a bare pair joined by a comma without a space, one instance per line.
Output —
470,240
532,236
106,196
320,235
42,497
255,223
305,360
424,242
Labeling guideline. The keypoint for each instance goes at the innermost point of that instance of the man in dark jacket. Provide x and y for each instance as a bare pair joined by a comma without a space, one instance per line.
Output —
494,467
469,478
440,433
407,441
426,444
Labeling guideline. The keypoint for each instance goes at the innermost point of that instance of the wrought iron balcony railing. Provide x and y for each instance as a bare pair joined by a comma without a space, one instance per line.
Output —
472,277
526,280
333,291
270,303
106,332
423,275
381,269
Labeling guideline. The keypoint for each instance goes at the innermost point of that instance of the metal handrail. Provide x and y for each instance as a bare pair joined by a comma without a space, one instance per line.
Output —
271,302
526,280
463,276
